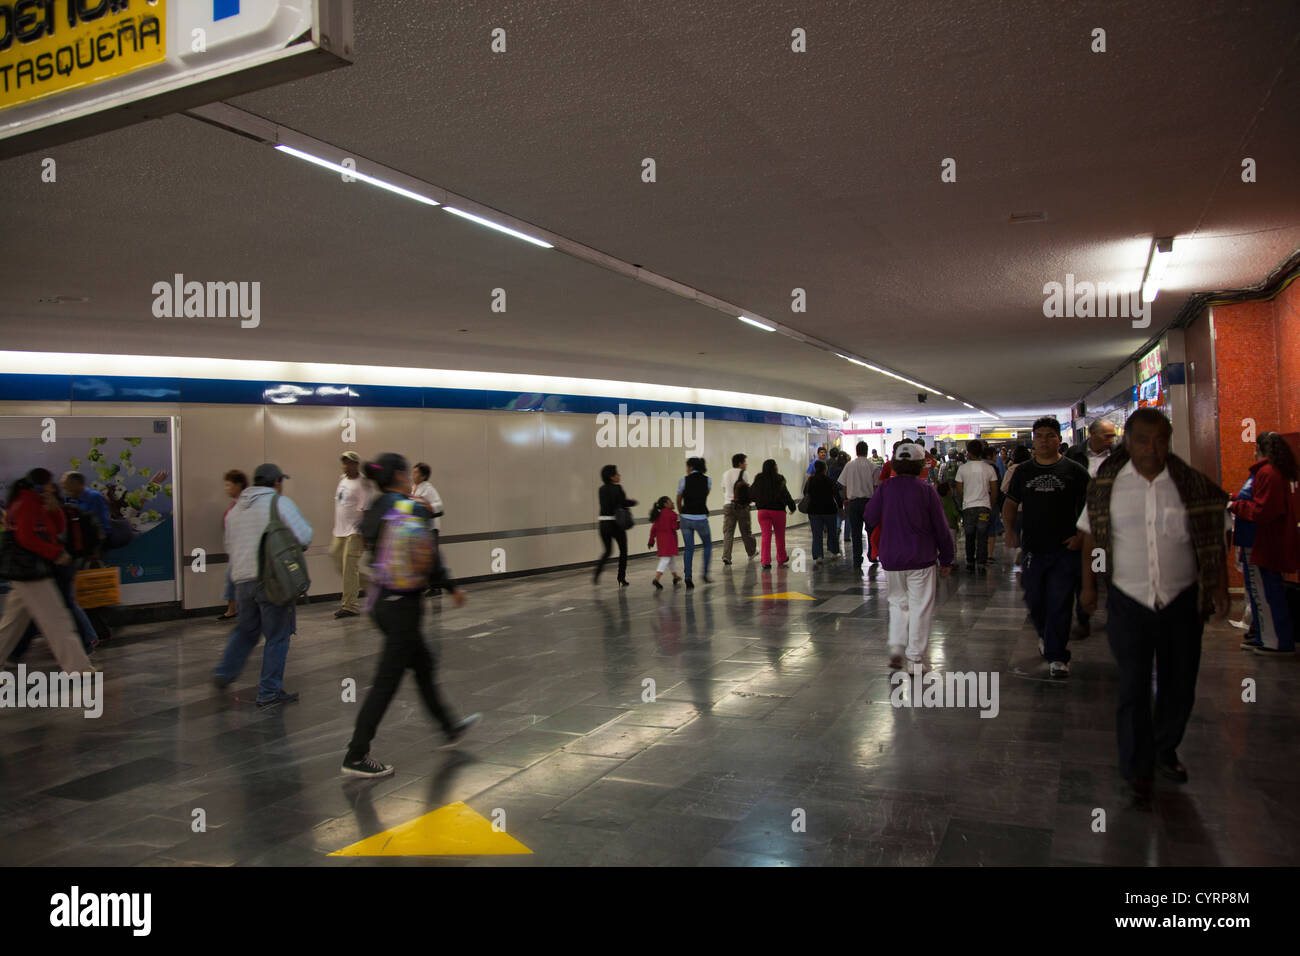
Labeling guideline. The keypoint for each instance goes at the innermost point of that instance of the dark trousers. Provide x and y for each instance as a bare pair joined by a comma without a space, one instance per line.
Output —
1172,636
609,533
1051,579
824,526
398,616
977,522
854,512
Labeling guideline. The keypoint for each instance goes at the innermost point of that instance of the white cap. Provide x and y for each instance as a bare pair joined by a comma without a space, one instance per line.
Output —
909,451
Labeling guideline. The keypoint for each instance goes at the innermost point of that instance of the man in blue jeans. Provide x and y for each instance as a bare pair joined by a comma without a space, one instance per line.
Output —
245,526
693,509
1053,490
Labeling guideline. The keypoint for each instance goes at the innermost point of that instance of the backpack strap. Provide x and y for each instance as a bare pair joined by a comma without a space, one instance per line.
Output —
275,509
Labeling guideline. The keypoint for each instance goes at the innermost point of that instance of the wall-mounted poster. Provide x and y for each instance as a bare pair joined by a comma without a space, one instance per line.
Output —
131,461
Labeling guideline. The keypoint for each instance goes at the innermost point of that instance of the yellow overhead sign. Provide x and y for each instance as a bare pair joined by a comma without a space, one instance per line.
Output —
999,434
49,46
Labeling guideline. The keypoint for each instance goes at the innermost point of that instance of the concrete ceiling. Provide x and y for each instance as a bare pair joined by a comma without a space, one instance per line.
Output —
775,169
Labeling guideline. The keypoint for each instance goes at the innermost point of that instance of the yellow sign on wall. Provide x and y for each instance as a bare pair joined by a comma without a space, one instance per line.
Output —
50,46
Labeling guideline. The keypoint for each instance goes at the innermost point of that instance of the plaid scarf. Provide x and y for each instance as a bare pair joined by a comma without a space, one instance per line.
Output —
1204,501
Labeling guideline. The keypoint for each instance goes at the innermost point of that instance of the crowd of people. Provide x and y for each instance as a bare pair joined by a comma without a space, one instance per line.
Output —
1134,516
1130,519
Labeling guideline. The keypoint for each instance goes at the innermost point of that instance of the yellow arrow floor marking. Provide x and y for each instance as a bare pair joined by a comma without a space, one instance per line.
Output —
453,830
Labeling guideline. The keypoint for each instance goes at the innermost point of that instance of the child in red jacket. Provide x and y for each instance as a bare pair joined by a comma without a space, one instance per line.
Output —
663,532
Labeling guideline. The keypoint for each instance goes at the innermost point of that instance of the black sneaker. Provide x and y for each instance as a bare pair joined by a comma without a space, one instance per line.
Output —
1249,644
689,584
1172,769
367,766
458,732
344,612
280,698
658,586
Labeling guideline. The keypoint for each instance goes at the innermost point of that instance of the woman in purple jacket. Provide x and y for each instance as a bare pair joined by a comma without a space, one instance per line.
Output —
913,537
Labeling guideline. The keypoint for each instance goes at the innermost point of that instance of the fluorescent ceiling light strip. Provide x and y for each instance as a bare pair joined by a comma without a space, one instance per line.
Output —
497,226
326,164
758,325
1156,269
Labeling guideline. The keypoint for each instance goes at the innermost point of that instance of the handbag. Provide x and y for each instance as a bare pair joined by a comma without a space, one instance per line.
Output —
19,564
803,505
623,518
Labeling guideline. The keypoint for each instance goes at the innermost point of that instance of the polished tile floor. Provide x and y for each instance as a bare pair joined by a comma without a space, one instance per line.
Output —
767,714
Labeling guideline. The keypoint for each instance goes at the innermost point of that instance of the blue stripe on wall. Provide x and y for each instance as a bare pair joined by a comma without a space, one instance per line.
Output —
215,391
35,388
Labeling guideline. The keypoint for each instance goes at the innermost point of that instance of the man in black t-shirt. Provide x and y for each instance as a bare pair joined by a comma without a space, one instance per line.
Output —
1053,491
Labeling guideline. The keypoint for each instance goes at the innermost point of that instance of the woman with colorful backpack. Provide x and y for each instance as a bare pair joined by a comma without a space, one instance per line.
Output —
398,530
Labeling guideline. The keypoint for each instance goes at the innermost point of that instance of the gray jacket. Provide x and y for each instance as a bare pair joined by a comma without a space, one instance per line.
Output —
247,522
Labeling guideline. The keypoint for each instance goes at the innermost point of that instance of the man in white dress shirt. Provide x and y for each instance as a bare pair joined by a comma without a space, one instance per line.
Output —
1159,525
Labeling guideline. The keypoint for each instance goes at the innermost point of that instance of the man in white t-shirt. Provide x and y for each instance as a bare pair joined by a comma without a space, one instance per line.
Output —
351,498
858,479
977,489
735,514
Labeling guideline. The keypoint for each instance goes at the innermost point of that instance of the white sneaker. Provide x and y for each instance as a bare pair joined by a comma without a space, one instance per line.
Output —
1059,669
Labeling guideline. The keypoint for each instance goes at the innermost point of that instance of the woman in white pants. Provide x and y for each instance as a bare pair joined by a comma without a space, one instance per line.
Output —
34,518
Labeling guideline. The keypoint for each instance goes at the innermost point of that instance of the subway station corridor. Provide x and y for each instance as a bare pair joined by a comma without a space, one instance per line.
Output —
772,696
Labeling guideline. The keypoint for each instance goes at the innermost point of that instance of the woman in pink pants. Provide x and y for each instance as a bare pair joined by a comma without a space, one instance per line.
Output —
772,498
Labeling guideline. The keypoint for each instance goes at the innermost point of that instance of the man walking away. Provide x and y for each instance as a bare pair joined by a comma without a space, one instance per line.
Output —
245,526
1052,490
858,479
977,490
1160,524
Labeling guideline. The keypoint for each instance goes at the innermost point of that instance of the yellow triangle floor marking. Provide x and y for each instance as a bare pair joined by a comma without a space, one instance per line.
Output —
783,596
453,830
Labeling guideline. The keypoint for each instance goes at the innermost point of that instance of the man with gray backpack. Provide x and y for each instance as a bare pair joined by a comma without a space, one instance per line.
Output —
266,536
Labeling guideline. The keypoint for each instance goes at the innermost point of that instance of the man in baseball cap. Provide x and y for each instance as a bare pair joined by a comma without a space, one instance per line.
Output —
245,525
351,498
915,548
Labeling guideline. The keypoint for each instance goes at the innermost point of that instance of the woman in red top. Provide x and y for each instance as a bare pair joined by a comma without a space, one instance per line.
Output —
663,532
1273,505
34,517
